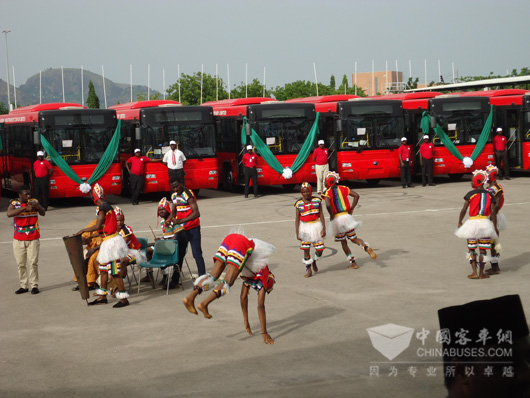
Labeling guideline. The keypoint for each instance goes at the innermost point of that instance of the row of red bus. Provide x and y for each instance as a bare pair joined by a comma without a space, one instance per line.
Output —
363,135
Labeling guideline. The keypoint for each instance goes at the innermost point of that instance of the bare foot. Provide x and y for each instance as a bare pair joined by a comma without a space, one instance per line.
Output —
247,328
315,268
309,274
353,265
204,309
483,276
371,253
473,276
190,305
267,339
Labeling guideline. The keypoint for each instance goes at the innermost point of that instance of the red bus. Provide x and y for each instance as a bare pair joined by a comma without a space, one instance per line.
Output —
151,125
524,133
282,127
79,135
362,135
508,106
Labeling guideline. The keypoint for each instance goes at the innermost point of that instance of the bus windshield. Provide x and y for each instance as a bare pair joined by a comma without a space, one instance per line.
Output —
80,145
194,140
372,132
462,127
284,136
526,125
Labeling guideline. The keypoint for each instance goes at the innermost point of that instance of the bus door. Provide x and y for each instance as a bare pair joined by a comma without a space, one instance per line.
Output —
512,131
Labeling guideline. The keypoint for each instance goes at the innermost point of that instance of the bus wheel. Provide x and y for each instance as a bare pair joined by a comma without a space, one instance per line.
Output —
456,177
289,187
228,179
373,182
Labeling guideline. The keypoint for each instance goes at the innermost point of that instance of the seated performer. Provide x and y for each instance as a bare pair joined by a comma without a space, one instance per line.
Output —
263,282
342,224
112,249
91,240
498,198
238,252
126,232
310,227
479,230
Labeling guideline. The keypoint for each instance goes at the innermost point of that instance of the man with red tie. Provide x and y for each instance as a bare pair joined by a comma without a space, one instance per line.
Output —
174,160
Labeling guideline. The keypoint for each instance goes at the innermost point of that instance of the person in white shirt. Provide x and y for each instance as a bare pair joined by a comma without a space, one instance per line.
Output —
174,160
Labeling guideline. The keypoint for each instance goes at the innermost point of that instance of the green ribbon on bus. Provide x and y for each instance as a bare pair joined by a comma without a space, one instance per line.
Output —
102,167
269,157
483,139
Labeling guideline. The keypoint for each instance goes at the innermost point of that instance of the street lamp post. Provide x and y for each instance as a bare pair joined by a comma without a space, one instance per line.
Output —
7,70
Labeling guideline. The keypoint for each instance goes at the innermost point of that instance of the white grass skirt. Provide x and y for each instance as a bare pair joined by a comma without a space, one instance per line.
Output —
310,231
112,249
343,223
259,257
477,229
139,255
502,223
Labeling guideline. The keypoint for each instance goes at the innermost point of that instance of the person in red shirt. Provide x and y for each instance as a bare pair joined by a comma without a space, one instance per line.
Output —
41,183
405,153
501,154
26,243
136,167
250,161
426,161
320,156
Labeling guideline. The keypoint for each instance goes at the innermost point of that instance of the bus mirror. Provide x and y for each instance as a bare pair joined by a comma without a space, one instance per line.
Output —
248,129
36,137
138,133
433,122
338,124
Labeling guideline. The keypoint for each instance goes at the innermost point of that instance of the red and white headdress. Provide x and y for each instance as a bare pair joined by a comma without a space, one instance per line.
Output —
332,178
119,212
493,171
163,204
308,186
480,177
97,192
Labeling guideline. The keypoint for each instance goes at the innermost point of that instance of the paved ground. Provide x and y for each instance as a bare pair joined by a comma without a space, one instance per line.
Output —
52,344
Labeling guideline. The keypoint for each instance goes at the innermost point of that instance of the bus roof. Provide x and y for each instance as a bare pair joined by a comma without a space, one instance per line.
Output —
497,97
324,103
411,100
30,113
235,106
144,104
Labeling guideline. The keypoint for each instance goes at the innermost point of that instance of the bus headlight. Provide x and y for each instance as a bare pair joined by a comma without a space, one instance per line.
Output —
150,176
346,165
212,172
438,160
52,182
116,178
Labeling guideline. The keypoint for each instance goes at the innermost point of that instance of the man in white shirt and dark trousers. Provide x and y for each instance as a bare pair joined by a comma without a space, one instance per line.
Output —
174,160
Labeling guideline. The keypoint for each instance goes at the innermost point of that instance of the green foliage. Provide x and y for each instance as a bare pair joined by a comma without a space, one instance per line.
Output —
3,109
332,83
92,100
254,89
141,96
190,89
412,83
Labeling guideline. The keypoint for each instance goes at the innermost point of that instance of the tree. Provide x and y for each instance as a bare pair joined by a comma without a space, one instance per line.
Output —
332,83
412,83
92,100
190,89
297,89
3,109
254,89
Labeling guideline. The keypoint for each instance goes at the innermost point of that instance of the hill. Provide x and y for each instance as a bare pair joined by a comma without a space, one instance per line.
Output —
52,91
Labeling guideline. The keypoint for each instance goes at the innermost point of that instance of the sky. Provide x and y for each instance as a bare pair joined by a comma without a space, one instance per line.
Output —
276,41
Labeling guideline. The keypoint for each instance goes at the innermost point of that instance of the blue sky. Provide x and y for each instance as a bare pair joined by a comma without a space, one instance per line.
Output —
285,37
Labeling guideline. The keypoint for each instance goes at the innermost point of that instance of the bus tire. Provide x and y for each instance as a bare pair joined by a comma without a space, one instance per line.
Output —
289,187
456,177
228,178
373,181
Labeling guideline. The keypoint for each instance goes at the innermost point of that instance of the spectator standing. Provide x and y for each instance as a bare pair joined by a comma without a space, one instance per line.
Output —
426,161
404,152
501,154
320,156
136,168
41,184
250,161
174,159
26,243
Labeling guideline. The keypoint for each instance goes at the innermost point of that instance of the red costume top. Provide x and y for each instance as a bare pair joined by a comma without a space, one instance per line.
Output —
133,243
250,159
42,168
321,156
235,250
499,143
138,164
496,189
184,209
26,224
339,198
309,212
110,227
427,150
479,203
